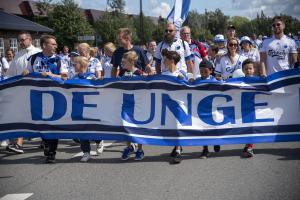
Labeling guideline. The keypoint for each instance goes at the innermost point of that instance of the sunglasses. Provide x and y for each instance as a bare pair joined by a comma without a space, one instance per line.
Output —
274,25
169,31
233,44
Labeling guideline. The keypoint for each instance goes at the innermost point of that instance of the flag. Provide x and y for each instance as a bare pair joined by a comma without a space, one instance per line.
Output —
179,13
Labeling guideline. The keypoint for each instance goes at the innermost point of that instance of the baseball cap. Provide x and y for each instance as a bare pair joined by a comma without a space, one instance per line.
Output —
245,39
219,38
230,27
205,64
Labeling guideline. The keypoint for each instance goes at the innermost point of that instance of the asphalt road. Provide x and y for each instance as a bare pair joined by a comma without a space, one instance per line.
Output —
273,174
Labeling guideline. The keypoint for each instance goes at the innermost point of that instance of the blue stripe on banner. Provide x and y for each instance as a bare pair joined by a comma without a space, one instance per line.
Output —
110,82
145,132
211,85
160,142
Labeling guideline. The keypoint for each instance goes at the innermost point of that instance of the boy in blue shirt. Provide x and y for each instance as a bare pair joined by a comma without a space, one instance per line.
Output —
206,69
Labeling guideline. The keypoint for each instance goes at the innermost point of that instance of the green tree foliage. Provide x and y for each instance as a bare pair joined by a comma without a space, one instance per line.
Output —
158,30
107,27
205,26
149,28
242,25
67,21
109,24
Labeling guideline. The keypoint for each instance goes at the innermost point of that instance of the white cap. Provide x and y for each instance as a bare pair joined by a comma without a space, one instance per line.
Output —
245,39
219,38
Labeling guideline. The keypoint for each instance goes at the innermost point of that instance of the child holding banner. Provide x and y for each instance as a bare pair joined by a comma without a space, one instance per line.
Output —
249,70
128,69
206,69
170,59
81,65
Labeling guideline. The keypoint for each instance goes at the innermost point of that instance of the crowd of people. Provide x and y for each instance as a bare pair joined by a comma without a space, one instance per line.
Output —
183,57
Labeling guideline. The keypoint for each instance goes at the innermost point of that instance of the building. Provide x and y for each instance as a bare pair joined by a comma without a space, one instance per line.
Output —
11,25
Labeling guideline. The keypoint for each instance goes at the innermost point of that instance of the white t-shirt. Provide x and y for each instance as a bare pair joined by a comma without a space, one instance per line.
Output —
43,63
176,73
225,68
252,54
151,60
107,66
177,45
19,63
94,65
278,51
3,66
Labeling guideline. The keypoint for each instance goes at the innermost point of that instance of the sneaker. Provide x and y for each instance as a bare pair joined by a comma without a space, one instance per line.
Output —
248,152
4,143
16,148
100,147
127,152
42,145
86,156
173,153
217,148
50,159
139,155
177,157
204,154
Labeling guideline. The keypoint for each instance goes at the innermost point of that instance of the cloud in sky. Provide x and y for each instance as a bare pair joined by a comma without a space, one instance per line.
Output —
270,7
160,9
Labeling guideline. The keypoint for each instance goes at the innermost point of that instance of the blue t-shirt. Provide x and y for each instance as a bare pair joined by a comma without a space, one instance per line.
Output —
117,56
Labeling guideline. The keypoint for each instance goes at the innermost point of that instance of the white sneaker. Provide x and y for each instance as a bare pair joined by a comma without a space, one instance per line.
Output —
100,147
4,143
86,156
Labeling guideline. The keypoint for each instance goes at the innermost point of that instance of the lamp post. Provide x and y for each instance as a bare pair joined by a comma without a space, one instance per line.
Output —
141,23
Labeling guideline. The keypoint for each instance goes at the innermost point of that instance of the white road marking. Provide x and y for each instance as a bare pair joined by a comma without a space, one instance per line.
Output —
93,153
21,196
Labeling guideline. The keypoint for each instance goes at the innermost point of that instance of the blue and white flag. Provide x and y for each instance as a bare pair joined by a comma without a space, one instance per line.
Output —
155,110
179,13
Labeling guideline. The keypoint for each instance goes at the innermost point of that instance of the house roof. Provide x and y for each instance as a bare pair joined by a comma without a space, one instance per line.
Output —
13,22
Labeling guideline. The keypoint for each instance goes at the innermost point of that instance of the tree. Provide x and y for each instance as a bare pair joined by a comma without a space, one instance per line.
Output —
149,28
242,25
68,23
159,29
109,24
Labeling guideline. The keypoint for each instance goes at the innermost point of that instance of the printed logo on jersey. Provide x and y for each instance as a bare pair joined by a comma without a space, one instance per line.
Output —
280,54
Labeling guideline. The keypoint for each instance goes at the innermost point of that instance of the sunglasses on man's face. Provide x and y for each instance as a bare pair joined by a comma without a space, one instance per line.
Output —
278,24
169,31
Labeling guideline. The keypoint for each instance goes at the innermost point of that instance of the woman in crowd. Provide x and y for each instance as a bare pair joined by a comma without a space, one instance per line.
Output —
230,62
250,52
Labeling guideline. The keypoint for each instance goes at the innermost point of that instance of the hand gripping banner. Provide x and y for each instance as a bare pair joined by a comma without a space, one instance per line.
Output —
155,110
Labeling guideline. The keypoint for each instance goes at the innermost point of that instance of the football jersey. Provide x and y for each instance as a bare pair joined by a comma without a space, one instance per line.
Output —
225,68
94,65
107,66
278,51
252,54
44,63
177,45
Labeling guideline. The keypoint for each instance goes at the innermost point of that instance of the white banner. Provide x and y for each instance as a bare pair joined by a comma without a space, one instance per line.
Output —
158,110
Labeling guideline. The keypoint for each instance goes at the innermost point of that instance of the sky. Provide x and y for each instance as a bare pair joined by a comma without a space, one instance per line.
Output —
246,8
